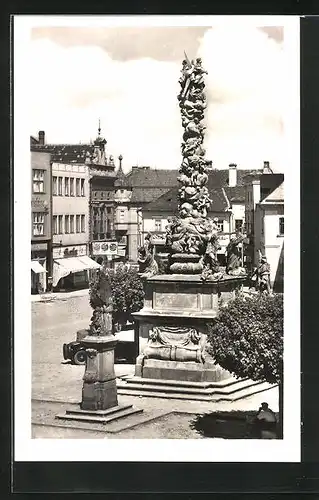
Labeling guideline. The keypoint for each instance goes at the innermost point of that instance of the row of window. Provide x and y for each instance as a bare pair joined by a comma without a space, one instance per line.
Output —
68,224
38,180
70,187
38,219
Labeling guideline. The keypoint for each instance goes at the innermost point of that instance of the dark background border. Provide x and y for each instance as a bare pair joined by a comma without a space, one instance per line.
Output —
184,477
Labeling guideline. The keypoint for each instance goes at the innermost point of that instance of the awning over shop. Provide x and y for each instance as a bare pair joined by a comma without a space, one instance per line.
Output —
90,263
63,267
37,267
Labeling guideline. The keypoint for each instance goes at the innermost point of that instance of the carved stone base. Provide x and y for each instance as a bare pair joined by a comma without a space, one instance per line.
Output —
99,381
176,312
177,370
99,395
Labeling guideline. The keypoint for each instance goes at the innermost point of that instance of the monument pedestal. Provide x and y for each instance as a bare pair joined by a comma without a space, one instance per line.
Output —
177,309
99,392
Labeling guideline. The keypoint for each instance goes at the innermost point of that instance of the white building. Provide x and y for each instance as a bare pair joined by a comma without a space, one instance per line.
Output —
265,223
70,225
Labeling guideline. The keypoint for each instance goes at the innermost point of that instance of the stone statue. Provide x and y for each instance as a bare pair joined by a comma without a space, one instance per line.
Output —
101,302
147,263
263,275
234,257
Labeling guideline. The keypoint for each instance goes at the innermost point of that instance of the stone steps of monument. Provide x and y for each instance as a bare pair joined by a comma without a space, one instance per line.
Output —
236,391
180,383
99,418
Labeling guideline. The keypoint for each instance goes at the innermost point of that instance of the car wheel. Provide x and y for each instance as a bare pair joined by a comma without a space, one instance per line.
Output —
79,357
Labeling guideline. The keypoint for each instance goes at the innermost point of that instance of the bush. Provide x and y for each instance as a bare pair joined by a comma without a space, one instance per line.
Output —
247,337
126,289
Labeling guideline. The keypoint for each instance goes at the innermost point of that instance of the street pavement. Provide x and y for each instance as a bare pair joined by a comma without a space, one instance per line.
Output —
56,322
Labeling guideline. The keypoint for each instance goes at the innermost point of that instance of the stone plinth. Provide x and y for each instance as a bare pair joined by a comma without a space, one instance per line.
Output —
99,381
99,392
176,311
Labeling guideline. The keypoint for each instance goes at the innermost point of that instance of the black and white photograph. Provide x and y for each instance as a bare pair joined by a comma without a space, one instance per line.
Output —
156,178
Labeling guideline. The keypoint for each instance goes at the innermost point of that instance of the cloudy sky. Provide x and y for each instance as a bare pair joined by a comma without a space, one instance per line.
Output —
128,77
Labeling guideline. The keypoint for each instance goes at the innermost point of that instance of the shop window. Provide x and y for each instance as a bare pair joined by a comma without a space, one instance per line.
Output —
54,186
60,224
55,224
38,181
82,223
66,186
66,224
72,186
78,189
71,223
60,186
38,223
281,226
82,187
78,224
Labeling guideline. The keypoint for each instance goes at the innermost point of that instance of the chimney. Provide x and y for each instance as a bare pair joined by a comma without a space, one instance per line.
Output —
41,137
232,180
256,191
266,168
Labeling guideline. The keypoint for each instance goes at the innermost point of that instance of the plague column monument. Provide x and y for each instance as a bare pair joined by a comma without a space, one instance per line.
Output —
178,305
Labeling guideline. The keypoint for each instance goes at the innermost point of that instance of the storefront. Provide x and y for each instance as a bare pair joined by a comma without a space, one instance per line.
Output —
39,267
108,253
72,268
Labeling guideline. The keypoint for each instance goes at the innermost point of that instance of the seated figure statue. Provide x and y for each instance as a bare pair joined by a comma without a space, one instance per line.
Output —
147,263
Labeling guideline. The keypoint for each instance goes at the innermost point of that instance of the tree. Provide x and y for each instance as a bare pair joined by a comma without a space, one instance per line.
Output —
246,339
127,292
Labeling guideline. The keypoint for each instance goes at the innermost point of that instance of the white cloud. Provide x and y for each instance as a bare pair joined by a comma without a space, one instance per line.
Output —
136,100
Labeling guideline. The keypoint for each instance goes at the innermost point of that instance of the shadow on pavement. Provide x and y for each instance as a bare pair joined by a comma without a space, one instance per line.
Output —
231,425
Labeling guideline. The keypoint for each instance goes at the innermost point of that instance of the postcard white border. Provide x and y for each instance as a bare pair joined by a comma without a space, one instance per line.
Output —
201,450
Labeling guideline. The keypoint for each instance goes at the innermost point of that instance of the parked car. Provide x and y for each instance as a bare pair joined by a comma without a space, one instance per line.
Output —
75,350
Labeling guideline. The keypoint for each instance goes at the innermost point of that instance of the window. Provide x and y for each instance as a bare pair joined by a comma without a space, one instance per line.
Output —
158,225
109,210
82,187
54,186
220,225
60,186
82,223
72,186
71,223
281,225
60,224
66,224
38,223
238,224
78,224
66,186
122,215
55,224
78,191
38,181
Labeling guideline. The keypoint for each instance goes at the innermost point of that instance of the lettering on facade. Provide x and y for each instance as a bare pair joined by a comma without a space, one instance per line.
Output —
64,252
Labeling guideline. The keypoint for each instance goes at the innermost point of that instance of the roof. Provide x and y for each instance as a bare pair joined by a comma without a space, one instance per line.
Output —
219,178
276,196
149,177
65,153
169,201
236,194
146,195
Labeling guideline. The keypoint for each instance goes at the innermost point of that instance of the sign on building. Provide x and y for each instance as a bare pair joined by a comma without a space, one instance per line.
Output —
70,251
105,248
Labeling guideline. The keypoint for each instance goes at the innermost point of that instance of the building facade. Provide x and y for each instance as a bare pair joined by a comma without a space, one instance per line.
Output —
265,223
41,212
70,224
